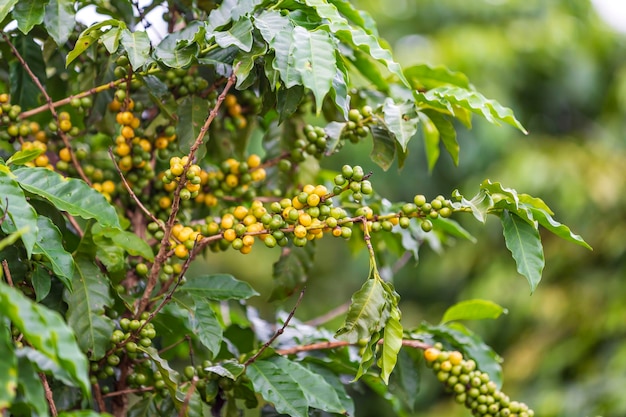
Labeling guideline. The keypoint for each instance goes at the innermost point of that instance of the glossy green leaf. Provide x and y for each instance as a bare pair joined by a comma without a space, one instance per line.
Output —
28,13
365,312
22,88
86,304
192,113
405,380
319,393
204,324
392,342
524,242
68,194
479,205
30,384
425,77
277,386
358,17
339,90
5,8
334,380
12,238
21,215
314,57
431,140
111,39
44,364
125,240
218,287
452,228
229,369
137,45
42,282
284,61
47,332
475,102
59,19
170,376
473,310
239,35
534,202
85,40
21,157
270,23
498,192
384,149
8,367
559,229
447,133
146,407
368,67
288,100
357,36
368,355
50,245
291,270
401,119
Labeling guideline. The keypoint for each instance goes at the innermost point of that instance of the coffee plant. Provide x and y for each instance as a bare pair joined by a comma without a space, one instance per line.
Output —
125,157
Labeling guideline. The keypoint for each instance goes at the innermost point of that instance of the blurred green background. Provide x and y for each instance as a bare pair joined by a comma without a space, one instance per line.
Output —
563,71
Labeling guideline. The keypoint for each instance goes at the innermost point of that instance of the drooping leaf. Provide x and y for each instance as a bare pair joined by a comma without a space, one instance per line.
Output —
365,313
125,240
137,46
47,332
447,133
179,49
170,376
405,380
5,8
401,118
473,310
425,77
59,19
239,35
498,191
44,364
319,393
452,228
431,140
559,229
368,67
392,342
50,245
288,100
28,14
8,368
68,194
479,205
192,112
277,386
524,242
368,355
218,287
23,90
205,325
475,102
21,157
85,40
339,90
86,303
291,270
20,214
314,57
30,384
229,369
384,149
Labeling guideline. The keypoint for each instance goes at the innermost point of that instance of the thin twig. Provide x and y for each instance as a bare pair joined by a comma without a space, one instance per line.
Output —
132,193
7,272
279,331
188,395
127,391
97,393
416,344
50,105
48,393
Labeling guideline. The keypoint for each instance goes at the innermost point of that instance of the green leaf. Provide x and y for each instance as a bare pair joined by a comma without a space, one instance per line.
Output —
425,77
47,332
229,369
365,312
431,140
85,40
44,364
319,393
8,367
68,194
291,270
240,35
21,215
368,67
401,119
535,202
22,157
218,287
453,228
30,384
559,229
384,149
368,356
5,8
475,102
392,342
125,240
473,310
498,192
447,133
170,376
50,245
42,282
524,242
86,303
288,100
23,90
179,49
479,205
192,112
314,57
28,14
284,61
278,387
204,324
137,45
270,23
405,380
111,39
59,19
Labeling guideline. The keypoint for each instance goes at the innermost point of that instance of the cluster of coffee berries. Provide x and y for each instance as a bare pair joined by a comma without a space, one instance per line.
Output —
183,240
194,177
358,123
353,178
239,227
426,211
42,160
470,386
233,178
233,108
182,82
313,143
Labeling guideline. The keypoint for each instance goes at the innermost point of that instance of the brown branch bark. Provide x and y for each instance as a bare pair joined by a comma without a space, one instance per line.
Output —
416,344
48,394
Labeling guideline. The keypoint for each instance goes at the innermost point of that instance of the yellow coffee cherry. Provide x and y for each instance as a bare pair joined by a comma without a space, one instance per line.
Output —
313,200
108,187
258,174
245,249
309,188
177,169
161,142
210,200
181,251
165,202
128,132
254,161
228,220
300,231
248,240
41,161
240,212
122,149
320,190
305,219
230,235
65,125
232,180
65,155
